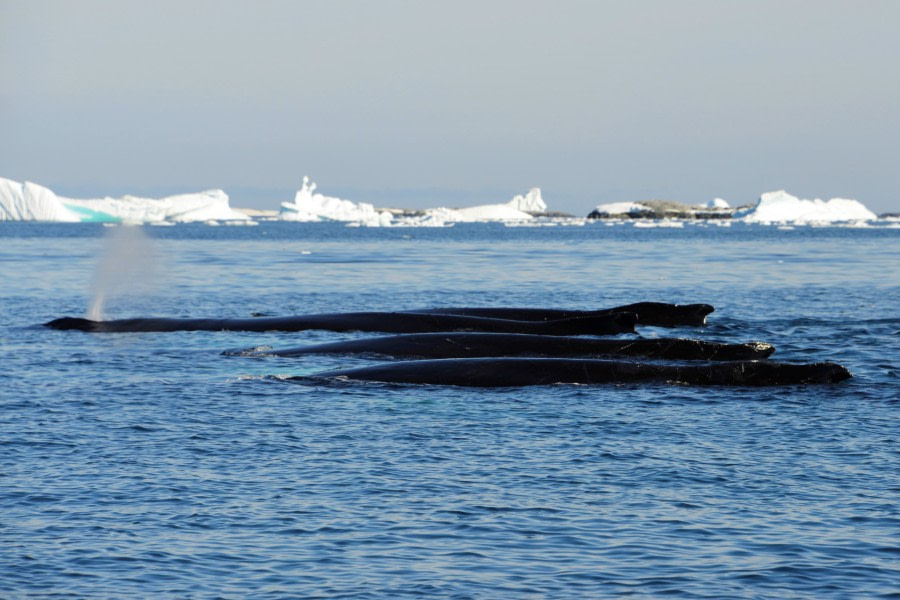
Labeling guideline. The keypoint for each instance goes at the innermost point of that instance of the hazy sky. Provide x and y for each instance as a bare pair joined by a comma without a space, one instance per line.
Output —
411,103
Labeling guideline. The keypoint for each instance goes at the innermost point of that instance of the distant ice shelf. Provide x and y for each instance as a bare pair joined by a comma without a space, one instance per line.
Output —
32,202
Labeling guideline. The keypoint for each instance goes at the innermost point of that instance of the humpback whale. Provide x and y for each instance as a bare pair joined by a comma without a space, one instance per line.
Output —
470,345
648,313
387,322
515,372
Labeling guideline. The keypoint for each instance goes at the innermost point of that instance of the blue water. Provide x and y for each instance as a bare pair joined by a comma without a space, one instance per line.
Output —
149,465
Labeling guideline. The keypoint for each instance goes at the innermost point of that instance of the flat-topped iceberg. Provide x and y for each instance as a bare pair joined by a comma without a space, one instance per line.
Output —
210,205
484,212
32,202
781,207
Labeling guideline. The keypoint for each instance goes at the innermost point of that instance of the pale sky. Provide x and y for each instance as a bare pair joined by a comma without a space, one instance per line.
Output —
425,103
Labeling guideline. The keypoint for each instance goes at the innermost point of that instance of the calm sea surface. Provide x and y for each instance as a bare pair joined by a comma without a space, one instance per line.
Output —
150,465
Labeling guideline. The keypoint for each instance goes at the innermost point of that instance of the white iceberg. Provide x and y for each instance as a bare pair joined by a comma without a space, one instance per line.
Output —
620,208
211,205
31,202
530,202
781,207
517,209
488,212
714,203
311,206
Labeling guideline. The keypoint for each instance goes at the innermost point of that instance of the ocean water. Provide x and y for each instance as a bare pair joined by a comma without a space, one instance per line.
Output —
150,465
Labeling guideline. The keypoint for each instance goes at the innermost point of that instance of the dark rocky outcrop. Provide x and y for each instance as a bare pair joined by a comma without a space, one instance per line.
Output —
665,209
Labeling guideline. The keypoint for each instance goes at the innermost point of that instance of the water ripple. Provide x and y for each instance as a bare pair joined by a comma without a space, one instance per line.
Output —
150,465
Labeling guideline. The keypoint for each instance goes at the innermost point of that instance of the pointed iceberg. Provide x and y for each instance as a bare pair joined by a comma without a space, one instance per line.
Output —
308,205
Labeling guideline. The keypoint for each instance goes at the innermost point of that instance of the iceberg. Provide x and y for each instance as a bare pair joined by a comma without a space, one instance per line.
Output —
488,212
517,209
211,205
311,206
530,202
714,203
772,207
781,207
31,202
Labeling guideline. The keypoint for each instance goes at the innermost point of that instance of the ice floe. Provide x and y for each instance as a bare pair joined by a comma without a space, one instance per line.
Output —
660,223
